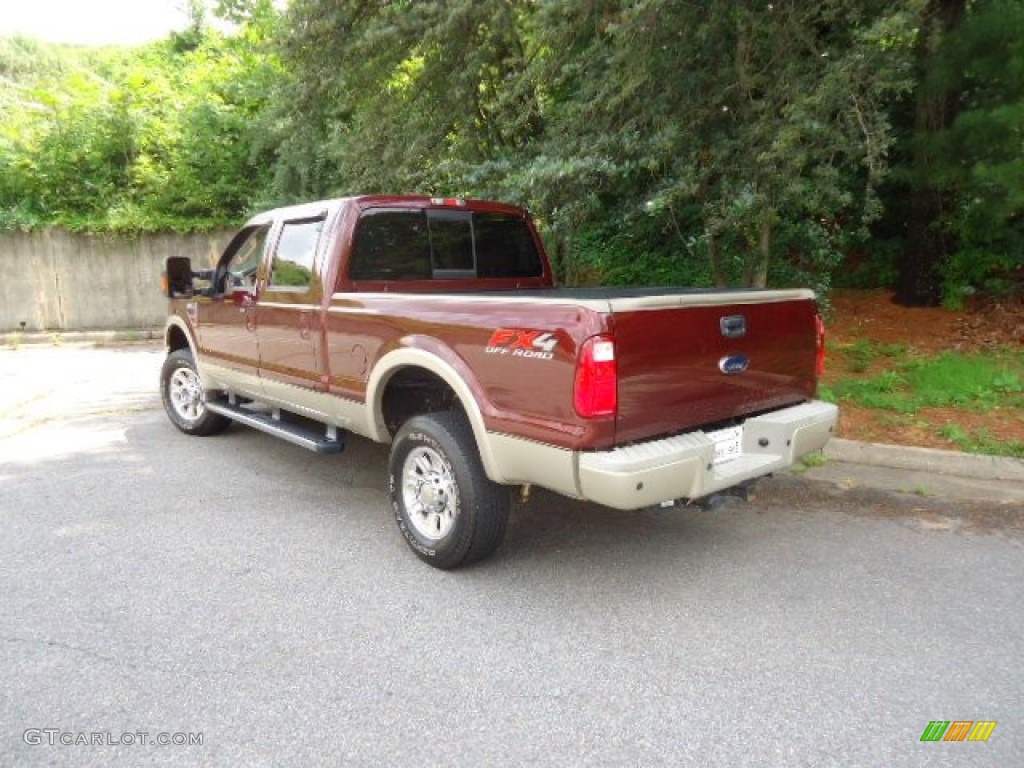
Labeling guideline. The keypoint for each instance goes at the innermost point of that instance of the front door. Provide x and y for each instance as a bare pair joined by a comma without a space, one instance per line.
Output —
226,320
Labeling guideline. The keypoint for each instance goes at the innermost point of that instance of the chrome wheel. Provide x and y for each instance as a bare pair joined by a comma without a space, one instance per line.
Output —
186,394
430,494
184,399
447,509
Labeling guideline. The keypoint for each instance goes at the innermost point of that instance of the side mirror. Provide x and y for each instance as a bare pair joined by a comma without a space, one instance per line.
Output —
177,277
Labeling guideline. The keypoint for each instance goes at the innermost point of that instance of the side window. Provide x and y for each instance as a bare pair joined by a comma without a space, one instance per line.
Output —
293,262
244,265
391,245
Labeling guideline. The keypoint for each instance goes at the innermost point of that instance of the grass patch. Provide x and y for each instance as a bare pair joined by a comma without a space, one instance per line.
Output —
982,442
859,356
956,379
812,460
979,381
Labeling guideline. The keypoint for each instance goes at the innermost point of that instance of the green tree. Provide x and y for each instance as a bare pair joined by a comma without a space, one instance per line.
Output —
937,100
167,135
400,96
962,168
753,133
980,157
740,135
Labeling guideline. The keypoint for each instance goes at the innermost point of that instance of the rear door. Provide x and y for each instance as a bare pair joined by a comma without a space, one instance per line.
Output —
693,360
289,310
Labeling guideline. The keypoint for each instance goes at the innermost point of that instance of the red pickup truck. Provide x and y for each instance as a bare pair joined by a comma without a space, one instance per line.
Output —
434,325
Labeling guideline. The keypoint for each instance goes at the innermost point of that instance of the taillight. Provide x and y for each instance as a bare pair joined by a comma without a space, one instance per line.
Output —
819,367
596,392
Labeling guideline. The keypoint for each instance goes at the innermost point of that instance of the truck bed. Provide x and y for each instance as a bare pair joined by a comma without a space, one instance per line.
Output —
673,349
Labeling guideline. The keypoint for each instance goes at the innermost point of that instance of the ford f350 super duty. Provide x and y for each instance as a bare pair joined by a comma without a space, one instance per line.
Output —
434,324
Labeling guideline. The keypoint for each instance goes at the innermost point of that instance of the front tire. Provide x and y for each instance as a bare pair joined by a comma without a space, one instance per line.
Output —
447,509
184,398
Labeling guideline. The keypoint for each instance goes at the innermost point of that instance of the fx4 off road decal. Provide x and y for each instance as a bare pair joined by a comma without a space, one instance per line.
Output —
519,342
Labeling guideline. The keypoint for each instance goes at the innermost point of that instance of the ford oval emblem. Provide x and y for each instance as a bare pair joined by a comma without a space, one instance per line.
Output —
733,364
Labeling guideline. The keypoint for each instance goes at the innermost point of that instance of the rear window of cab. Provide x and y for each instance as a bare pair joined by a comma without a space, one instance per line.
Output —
416,244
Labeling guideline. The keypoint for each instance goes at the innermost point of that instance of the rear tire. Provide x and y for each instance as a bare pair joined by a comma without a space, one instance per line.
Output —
447,509
184,398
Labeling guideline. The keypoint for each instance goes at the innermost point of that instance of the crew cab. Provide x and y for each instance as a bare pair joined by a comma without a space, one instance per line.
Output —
434,324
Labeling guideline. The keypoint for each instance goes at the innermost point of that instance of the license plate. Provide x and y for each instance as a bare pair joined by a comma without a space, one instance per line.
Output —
728,444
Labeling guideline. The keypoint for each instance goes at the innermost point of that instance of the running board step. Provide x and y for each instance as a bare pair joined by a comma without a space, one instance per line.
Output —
330,440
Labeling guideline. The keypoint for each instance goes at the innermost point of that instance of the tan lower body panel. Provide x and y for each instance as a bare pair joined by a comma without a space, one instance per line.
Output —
524,462
220,377
321,406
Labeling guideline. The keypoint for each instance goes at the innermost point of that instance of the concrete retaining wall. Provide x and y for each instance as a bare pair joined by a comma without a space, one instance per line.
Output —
54,280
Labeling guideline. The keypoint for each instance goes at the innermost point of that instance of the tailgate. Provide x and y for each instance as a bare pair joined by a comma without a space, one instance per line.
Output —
687,361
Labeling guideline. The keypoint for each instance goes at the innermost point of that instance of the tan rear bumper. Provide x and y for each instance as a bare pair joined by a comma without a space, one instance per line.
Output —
681,467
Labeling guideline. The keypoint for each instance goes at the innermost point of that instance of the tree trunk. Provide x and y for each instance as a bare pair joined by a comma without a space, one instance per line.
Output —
721,281
927,247
755,271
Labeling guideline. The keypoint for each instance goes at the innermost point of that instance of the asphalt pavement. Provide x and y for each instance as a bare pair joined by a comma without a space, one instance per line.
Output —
244,593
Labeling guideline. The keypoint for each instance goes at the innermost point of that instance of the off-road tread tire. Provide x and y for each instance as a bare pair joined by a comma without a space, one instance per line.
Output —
483,504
